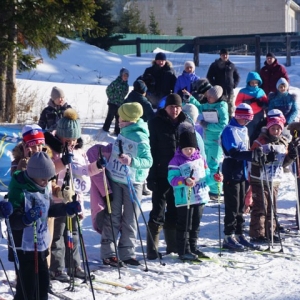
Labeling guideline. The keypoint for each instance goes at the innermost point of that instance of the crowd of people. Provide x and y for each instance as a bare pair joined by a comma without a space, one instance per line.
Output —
183,140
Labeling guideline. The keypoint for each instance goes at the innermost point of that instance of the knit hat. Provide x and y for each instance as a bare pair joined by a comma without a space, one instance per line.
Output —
33,135
216,92
40,166
124,71
282,81
270,54
189,63
69,125
191,111
57,93
243,112
160,56
130,112
201,85
275,116
140,86
187,135
173,99
224,51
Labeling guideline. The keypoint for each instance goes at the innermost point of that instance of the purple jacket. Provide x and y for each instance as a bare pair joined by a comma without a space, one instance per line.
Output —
97,192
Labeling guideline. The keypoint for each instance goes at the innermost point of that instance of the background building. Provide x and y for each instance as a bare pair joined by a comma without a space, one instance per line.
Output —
223,17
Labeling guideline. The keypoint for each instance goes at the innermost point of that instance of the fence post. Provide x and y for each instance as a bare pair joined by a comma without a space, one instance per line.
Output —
138,47
196,52
257,53
288,50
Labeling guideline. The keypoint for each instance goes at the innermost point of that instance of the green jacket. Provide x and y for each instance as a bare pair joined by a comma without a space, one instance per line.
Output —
117,91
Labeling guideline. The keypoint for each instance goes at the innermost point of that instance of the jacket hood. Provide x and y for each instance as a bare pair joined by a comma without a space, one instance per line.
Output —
168,64
253,76
140,127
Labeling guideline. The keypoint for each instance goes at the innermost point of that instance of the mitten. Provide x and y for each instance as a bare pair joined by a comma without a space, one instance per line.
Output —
6,209
22,165
292,151
32,215
73,208
190,182
271,156
66,195
125,159
257,154
67,158
101,163
218,177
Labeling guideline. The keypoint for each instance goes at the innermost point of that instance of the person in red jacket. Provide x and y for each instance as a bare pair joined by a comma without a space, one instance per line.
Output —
271,73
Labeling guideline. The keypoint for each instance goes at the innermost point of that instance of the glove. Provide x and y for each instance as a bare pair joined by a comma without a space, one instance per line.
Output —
296,142
73,208
67,158
6,209
190,182
186,98
32,215
66,194
101,163
203,123
22,165
270,157
125,159
218,177
257,155
292,151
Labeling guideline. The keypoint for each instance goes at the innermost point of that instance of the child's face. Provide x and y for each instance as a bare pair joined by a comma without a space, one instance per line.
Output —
30,150
242,122
211,99
71,142
40,181
125,77
275,130
188,151
189,69
59,101
282,88
253,82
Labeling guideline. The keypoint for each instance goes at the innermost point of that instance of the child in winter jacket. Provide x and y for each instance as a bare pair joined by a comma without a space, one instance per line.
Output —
188,174
267,170
212,130
30,197
129,159
116,93
253,95
186,79
54,111
235,143
70,162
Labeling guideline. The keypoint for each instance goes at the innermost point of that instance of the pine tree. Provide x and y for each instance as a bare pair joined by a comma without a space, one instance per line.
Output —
153,25
179,28
103,37
130,21
34,25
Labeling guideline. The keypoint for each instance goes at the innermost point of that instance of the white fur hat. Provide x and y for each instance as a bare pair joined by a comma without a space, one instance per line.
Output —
192,111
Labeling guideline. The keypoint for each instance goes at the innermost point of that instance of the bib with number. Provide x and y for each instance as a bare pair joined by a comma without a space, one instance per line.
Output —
81,179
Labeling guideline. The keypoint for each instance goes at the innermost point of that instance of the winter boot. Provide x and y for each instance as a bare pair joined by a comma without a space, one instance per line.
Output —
146,192
243,241
152,248
231,243
199,253
189,256
170,238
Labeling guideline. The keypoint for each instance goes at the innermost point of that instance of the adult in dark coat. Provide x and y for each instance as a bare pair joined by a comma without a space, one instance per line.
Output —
139,95
163,141
224,73
271,72
163,78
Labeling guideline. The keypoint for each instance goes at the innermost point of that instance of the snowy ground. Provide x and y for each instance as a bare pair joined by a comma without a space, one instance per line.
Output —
252,276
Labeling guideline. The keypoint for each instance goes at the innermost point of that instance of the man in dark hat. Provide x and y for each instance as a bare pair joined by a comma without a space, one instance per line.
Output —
271,72
223,72
163,142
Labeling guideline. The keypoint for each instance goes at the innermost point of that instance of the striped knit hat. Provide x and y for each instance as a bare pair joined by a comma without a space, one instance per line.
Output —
33,135
244,112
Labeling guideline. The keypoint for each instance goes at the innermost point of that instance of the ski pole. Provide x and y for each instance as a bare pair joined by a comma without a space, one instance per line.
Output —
187,213
297,174
81,241
36,257
103,163
7,277
131,189
219,212
16,259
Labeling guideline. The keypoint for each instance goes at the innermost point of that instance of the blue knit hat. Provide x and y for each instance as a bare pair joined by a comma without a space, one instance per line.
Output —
69,125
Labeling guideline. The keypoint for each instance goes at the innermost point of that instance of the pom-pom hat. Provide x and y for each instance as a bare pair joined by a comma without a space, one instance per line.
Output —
130,112
69,125
244,112
33,135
